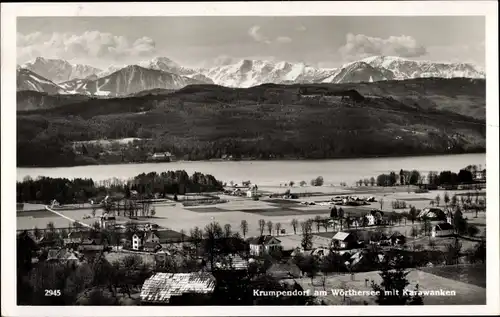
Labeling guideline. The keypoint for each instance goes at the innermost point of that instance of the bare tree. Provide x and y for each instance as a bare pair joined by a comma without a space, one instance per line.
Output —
325,223
381,202
269,225
317,221
278,228
262,225
437,199
295,225
244,227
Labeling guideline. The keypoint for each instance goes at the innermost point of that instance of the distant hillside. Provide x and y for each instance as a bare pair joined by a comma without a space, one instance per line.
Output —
33,100
412,117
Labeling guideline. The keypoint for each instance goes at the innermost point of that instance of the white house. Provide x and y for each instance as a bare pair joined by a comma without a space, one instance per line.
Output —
371,219
140,239
442,229
264,244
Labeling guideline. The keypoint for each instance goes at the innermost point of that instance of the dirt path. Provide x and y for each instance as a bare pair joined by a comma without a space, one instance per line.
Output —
66,217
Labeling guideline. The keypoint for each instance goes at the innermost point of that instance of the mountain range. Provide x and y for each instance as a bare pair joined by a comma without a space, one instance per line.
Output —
55,76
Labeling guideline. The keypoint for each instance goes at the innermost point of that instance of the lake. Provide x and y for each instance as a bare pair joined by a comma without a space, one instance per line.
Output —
333,171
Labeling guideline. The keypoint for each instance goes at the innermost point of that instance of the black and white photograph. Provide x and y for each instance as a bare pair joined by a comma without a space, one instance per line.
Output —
239,159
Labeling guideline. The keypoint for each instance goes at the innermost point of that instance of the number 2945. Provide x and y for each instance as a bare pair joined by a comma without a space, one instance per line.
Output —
52,292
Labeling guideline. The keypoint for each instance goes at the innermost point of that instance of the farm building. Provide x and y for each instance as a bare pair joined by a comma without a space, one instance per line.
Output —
344,240
442,229
177,288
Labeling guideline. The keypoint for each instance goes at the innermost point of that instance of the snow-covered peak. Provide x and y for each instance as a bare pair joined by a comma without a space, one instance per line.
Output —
59,70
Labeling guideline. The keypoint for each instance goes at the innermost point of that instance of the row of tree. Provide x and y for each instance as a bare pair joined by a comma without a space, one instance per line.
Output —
66,191
464,176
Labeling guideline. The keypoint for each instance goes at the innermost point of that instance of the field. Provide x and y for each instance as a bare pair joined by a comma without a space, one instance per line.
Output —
177,217
471,274
466,294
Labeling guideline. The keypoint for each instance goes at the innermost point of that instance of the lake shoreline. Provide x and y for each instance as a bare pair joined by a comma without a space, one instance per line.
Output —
262,160
263,173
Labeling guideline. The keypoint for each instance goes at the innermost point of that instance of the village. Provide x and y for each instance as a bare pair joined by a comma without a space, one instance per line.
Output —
303,239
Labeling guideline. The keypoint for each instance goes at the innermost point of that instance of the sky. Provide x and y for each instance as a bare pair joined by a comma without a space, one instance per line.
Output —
326,41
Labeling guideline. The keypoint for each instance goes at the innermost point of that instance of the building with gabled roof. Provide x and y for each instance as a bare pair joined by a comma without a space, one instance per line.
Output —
344,240
177,288
442,229
264,245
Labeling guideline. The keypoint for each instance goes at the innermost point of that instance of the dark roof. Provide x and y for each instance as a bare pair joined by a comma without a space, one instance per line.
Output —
262,240
162,286
444,226
229,262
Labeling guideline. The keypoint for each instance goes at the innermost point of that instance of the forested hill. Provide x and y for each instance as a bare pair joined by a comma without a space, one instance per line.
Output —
411,117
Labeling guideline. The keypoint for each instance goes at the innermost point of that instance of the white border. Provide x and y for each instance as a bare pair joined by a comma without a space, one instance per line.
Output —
10,11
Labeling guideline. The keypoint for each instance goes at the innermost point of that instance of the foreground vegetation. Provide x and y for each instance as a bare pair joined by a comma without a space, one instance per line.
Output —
263,122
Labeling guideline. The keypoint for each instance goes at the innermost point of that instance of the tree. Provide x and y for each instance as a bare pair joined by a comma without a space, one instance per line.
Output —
37,233
291,183
325,223
244,227
334,213
381,202
426,226
262,225
452,253
472,230
341,213
227,230
394,282
437,199
302,183
152,211
413,214
196,237
318,181
269,225
295,224
366,181
454,201
306,242
459,222
372,181
446,199
317,221
278,228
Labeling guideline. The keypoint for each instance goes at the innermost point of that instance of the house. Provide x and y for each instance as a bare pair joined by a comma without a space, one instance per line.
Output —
107,221
397,239
370,219
344,240
162,157
178,288
284,271
264,244
139,239
62,255
442,229
320,252
232,262
432,213
91,245
380,238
